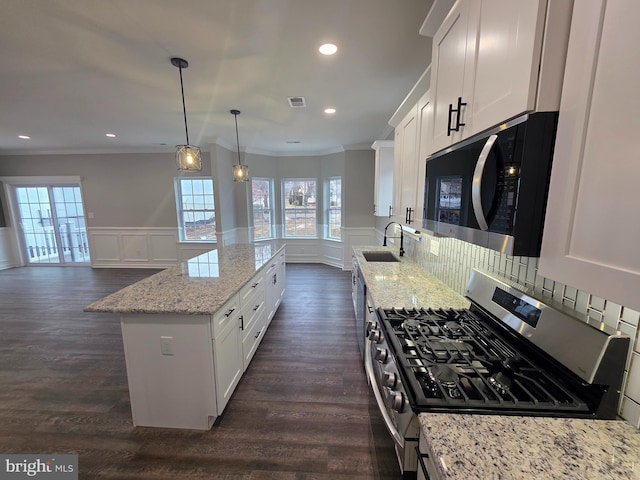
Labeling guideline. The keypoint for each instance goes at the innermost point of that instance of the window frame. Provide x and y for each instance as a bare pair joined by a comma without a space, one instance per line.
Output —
305,209
182,229
329,208
271,209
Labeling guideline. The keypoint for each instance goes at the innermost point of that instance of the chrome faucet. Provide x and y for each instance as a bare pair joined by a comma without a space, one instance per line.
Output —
384,243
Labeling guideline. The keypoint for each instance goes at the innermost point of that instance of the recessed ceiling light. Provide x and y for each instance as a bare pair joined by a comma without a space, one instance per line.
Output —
330,110
293,141
24,137
110,135
328,49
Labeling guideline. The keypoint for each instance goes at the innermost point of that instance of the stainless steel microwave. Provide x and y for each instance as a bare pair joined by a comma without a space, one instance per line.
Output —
491,189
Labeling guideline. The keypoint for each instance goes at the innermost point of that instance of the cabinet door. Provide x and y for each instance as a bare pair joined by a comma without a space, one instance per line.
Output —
507,54
591,229
228,362
384,177
448,65
425,118
409,163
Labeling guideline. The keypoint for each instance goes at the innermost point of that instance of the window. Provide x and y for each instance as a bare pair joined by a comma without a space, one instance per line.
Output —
262,201
299,212
196,209
335,209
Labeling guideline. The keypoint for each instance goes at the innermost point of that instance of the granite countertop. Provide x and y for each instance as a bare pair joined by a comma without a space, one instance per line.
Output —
404,283
488,447
198,286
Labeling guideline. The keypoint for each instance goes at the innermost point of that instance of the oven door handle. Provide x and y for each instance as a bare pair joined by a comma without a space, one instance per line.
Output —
381,406
476,185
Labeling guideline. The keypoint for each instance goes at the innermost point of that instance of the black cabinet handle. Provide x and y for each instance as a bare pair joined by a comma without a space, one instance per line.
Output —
459,111
423,467
407,216
390,211
230,312
241,322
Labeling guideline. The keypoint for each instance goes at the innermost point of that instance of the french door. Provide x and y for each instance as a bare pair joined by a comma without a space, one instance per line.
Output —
52,224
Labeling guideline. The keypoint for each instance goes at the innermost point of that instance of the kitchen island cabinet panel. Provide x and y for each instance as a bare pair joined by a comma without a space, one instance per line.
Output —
170,370
591,229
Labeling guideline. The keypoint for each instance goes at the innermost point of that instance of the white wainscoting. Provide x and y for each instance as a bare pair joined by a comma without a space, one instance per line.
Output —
134,247
355,237
8,252
159,247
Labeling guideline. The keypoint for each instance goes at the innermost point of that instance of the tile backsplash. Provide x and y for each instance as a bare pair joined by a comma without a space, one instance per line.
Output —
451,260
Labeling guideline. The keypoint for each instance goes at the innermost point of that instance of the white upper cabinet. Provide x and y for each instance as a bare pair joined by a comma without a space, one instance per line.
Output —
591,228
493,60
451,57
383,196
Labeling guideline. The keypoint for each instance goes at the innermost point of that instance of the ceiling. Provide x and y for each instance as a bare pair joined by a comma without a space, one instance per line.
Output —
74,70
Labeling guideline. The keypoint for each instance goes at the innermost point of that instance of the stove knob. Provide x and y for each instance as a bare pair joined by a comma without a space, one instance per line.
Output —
381,355
397,401
390,380
375,336
372,325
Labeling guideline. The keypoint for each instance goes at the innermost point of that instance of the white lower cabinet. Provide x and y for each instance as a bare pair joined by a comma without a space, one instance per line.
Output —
253,321
276,282
227,352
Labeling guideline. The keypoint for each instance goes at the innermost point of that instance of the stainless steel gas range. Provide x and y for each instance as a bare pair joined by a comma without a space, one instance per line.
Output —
508,354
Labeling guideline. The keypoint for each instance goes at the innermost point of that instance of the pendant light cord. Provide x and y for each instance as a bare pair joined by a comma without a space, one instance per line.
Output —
184,108
237,138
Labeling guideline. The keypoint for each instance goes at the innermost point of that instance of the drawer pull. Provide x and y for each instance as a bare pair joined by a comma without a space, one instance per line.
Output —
230,312
255,285
423,467
258,334
241,322
256,307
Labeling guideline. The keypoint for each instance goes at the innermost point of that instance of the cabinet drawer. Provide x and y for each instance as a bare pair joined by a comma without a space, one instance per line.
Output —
252,336
256,283
252,313
228,313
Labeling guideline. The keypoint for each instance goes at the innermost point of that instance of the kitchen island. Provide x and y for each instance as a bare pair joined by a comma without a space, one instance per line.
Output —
189,332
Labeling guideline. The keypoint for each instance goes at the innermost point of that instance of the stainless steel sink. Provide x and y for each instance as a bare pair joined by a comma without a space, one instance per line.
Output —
380,257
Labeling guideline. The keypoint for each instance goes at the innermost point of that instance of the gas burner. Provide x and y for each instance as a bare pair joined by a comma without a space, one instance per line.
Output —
411,324
446,376
453,329
500,382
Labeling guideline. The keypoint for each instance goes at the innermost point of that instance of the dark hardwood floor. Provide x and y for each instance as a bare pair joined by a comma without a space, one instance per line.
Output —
303,409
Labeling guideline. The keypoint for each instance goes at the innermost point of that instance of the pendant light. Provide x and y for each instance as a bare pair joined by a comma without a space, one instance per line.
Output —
187,156
240,172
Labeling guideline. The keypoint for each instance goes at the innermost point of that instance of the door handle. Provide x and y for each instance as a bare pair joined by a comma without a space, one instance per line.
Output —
476,185
449,129
459,113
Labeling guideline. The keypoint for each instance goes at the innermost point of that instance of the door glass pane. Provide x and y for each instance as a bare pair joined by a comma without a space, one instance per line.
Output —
37,225
70,222
53,226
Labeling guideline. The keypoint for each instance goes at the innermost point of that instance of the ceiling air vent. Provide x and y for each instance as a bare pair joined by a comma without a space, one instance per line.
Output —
297,102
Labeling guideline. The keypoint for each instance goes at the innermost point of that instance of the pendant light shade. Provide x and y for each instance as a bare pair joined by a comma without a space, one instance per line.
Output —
240,172
188,157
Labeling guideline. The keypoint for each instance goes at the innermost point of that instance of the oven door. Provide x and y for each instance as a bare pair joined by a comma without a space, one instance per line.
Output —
400,420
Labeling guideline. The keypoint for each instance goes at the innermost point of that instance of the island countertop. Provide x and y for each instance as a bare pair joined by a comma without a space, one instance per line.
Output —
198,286
404,283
